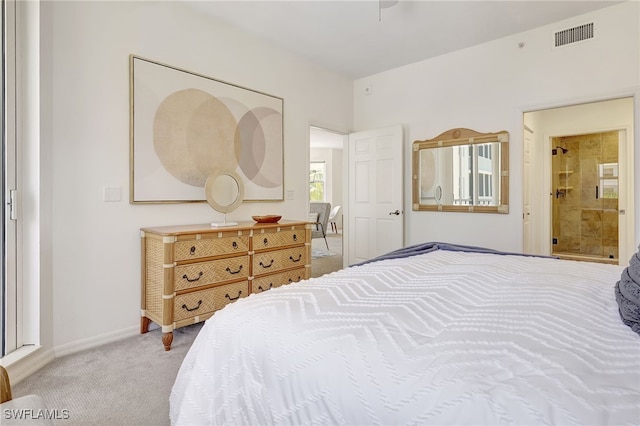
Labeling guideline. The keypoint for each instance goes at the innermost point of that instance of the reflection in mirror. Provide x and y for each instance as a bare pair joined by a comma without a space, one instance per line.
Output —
224,192
461,170
466,175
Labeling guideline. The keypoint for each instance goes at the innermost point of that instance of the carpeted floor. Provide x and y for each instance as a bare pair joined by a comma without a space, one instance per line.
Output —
324,261
318,253
127,383
123,383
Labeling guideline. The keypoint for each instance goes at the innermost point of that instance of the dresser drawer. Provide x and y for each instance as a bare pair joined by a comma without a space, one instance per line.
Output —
202,273
202,302
269,240
276,280
208,247
272,261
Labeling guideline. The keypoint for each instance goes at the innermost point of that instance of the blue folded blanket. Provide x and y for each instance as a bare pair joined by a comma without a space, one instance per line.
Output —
432,246
628,294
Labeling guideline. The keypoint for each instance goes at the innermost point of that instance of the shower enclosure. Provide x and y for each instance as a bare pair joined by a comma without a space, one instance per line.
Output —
585,197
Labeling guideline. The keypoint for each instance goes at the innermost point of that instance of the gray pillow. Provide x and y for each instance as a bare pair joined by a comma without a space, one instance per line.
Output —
628,294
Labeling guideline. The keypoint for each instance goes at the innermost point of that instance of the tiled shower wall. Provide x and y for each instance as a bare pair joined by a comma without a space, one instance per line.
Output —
584,224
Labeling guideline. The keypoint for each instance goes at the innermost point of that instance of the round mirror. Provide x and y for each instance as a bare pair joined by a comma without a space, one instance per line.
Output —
224,191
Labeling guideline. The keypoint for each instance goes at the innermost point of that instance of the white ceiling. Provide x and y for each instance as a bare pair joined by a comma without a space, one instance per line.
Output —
357,39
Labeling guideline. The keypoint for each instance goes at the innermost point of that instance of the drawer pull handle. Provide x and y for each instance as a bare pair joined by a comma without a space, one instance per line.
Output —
192,250
265,242
234,245
234,272
192,279
266,266
233,298
296,260
265,289
192,309
291,281
295,237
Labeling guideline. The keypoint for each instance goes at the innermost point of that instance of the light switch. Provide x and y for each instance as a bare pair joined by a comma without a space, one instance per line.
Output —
290,194
111,194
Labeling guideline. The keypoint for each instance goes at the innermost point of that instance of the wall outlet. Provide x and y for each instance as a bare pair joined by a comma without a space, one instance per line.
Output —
290,194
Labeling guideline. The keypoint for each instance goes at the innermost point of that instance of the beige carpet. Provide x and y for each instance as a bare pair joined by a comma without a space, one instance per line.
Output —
129,382
123,383
331,260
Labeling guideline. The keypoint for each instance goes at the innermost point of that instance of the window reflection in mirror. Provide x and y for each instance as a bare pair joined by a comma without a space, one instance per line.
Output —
461,170
466,175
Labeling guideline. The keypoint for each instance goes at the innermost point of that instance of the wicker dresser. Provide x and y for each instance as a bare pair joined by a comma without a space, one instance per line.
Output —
191,271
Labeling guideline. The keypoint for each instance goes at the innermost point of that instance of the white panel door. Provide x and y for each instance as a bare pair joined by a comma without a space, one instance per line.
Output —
529,244
375,205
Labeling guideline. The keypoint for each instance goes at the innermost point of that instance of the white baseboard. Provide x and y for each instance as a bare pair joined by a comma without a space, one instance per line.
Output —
28,359
25,361
92,342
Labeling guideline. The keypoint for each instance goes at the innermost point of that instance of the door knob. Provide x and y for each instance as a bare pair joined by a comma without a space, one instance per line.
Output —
397,213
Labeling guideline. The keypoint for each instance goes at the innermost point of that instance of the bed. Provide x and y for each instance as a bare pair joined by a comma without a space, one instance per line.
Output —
441,334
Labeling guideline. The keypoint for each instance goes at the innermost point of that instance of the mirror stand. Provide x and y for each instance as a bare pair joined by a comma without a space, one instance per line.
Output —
223,224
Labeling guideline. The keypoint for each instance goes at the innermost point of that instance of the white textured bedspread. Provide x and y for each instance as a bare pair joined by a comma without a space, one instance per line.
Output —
445,338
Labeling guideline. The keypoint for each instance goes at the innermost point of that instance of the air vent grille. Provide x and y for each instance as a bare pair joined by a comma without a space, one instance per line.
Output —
574,35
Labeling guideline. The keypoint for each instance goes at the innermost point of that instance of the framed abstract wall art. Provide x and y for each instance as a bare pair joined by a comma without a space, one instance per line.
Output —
184,126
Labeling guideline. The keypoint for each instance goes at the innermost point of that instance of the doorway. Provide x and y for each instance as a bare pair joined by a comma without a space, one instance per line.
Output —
326,166
578,181
584,182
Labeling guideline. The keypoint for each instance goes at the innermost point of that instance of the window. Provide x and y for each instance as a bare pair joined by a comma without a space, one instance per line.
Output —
485,167
476,168
608,180
317,180
484,151
484,187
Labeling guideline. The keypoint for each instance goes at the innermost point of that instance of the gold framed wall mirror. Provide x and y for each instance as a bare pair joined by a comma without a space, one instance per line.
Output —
461,170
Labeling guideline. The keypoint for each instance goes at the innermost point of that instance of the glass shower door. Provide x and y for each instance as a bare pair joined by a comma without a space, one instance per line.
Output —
585,196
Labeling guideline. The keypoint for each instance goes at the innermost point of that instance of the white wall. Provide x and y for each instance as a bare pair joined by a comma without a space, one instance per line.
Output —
487,88
96,245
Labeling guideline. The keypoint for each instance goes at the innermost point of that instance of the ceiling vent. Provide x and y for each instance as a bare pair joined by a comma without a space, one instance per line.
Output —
573,35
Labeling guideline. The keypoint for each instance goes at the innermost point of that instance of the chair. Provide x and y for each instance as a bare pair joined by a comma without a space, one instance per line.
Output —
31,406
320,211
5,386
332,218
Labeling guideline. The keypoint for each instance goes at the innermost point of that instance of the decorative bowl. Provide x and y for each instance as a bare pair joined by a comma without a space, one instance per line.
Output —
267,219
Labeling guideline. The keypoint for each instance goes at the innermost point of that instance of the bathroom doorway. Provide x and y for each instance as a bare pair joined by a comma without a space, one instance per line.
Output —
569,153
584,181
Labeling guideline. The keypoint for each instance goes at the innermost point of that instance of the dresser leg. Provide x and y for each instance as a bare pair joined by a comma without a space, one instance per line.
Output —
167,338
144,325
